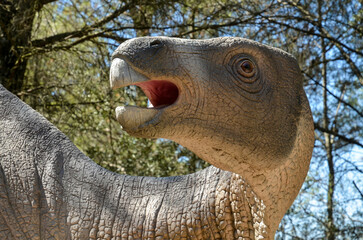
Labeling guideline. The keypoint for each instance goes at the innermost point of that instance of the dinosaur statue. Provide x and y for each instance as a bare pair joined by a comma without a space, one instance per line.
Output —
237,104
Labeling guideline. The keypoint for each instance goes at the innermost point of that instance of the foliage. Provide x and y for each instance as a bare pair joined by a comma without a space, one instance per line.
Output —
55,55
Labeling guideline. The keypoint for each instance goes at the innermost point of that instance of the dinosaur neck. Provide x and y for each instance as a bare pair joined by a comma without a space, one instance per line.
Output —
277,188
274,189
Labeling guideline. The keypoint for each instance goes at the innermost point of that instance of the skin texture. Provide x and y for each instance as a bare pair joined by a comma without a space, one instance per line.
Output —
254,126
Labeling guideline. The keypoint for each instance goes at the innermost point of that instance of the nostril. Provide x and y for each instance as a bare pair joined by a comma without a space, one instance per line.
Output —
116,54
155,43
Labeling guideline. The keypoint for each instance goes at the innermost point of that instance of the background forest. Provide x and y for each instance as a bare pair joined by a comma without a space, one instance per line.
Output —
55,55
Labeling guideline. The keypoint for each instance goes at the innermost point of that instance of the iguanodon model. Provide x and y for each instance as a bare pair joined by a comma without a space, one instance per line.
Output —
237,104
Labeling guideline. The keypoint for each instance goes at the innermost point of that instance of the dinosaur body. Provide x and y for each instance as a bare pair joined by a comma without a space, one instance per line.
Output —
244,101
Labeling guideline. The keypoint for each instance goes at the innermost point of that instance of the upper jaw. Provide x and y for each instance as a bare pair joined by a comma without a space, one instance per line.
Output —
122,75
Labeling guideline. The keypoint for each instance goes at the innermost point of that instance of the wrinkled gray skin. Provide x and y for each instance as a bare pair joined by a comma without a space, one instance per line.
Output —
257,132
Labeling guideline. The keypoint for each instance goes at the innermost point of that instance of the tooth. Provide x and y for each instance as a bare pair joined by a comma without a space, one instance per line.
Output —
149,104
131,117
121,74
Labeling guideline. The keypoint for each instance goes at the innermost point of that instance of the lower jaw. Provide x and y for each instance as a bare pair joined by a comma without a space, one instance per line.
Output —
132,117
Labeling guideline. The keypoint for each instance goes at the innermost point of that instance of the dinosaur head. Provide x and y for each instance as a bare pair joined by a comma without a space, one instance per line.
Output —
231,101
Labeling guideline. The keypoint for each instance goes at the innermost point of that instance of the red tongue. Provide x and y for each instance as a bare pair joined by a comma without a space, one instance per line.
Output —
160,93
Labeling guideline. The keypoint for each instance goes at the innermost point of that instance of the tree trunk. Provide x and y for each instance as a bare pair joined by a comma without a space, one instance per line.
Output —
15,41
327,140
12,69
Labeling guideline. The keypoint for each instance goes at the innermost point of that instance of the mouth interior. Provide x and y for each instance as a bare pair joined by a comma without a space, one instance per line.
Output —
160,93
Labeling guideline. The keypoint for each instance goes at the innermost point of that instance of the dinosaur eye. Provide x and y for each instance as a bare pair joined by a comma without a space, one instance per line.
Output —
246,68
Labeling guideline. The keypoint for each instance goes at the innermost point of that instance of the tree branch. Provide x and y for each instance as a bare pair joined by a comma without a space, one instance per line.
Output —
29,91
79,33
327,35
43,2
344,138
333,95
68,104
360,192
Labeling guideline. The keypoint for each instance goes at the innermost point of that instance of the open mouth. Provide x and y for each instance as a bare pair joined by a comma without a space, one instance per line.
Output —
160,93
